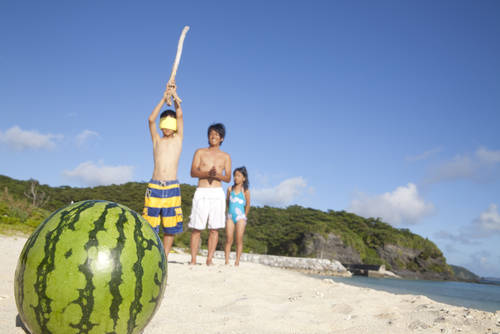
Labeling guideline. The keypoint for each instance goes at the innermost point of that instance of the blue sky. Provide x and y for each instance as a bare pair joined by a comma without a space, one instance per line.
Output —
383,108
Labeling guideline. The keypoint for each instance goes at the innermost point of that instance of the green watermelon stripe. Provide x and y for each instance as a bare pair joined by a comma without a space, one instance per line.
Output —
42,310
163,260
86,295
116,274
24,256
158,282
142,244
161,265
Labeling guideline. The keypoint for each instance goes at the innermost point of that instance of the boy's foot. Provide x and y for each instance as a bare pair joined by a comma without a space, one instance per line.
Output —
236,264
210,263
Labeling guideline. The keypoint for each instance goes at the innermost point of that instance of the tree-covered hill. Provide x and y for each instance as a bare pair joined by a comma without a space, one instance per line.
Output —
293,231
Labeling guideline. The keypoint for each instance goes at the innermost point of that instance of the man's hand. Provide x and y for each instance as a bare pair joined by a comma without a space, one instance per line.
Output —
212,172
212,175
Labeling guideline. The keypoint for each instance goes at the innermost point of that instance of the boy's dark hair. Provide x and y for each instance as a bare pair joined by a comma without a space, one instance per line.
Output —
168,112
243,171
219,128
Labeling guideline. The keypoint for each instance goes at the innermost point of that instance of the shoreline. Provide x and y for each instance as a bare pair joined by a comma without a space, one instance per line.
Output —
254,298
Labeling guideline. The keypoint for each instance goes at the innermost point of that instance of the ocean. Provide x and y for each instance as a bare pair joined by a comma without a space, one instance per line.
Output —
484,297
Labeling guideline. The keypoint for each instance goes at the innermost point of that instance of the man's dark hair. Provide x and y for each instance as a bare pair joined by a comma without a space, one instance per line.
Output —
219,128
167,113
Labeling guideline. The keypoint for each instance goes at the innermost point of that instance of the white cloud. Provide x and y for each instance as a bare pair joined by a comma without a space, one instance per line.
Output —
19,139
86,135
483,263
489,220
403,206
281,195
461,238
487,156
485,226
426,155
481,166
90,174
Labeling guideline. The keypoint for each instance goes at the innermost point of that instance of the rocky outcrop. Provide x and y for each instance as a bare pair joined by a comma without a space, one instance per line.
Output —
312,265
412,263
329,247
382,273
404,262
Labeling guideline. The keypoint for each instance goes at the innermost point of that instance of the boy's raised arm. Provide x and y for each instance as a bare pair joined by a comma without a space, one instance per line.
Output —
152,119
156,111
179,116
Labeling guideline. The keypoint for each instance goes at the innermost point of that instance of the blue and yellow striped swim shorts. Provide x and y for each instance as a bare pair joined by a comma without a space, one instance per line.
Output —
162,204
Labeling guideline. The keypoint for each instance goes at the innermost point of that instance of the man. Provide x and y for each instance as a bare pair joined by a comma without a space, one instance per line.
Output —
212,167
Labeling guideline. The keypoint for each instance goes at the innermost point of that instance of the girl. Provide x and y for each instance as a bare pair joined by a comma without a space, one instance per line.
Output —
238,204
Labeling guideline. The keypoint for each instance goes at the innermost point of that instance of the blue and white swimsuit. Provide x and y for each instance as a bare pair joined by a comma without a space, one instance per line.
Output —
237,204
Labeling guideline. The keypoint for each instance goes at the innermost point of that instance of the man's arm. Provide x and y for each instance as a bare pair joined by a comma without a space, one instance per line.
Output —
195,167
227,171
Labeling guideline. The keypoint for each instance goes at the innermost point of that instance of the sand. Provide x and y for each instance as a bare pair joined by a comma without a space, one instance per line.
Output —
254,298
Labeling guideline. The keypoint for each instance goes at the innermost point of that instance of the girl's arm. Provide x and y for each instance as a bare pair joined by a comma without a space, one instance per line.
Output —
227,198
247,205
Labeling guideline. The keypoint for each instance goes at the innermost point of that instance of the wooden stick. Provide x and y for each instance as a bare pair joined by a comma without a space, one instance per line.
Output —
171,81
179,53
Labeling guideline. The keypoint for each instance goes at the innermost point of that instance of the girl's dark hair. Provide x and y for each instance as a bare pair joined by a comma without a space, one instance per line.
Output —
219,128
243,171
167,113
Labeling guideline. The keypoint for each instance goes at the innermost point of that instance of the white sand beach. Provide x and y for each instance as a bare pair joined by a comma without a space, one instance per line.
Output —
254,298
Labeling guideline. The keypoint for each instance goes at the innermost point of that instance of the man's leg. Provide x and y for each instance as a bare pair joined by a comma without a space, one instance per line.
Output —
168,241
195,241
213,238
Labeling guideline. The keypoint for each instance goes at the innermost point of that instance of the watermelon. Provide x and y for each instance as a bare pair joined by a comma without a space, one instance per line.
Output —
91,267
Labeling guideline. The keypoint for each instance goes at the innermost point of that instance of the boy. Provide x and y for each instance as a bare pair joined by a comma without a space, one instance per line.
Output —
162,203
211,166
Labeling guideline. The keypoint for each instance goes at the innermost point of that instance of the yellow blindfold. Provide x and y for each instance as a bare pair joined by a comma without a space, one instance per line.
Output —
168,123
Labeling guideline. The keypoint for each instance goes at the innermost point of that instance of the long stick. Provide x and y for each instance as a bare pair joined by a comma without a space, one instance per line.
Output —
179,53
177,60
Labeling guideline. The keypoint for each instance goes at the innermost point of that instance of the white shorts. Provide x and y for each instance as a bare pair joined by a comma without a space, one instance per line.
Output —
209,205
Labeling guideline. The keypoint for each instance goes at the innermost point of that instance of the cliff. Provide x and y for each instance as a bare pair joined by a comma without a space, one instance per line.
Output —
405,262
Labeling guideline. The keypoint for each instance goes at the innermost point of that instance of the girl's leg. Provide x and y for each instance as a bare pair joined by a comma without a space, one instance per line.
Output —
240,230
229,238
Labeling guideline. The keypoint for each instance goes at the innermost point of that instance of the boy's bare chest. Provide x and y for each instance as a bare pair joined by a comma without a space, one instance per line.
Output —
168,145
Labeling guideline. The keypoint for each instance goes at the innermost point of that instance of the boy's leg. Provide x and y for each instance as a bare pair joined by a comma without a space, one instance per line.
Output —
195,240
168,241
229,239
213,238
240,230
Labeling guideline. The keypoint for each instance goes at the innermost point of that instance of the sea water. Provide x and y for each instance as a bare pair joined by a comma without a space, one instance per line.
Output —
484,297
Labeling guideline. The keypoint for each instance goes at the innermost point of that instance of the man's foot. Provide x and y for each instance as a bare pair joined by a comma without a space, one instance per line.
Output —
236,264
210,263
